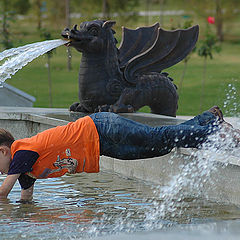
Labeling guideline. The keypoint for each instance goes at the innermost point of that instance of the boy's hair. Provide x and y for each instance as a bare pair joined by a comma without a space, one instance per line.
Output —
6,138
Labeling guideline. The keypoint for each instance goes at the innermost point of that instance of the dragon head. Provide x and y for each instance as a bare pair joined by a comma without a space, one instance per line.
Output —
92,36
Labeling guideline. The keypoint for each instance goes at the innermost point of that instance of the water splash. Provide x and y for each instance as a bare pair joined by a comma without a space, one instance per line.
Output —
17,58
197,176
231,104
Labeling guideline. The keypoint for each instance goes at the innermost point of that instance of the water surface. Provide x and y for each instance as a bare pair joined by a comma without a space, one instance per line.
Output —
84,206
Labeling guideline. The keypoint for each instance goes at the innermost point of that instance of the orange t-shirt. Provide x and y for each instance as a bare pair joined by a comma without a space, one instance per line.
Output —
71,148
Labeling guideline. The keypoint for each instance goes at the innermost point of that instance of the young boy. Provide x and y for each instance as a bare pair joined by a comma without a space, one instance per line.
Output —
77,146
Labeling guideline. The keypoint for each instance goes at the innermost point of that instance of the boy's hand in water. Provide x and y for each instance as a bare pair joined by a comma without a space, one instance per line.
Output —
8,184
26,194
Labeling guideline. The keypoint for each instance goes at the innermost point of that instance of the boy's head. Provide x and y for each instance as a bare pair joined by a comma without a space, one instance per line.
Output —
6,140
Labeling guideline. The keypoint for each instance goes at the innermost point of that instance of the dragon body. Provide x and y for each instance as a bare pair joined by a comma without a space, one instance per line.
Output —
126,78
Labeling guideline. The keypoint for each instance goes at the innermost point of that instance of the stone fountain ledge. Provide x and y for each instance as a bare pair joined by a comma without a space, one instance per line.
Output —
24,122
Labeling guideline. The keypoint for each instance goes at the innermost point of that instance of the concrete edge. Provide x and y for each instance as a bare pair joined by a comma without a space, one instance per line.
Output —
32,117
19,92
45,120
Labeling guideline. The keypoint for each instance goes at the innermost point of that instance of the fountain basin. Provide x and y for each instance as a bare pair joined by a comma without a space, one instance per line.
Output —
126,196
224,187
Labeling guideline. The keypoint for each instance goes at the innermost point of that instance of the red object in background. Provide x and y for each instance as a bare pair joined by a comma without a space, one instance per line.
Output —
211,20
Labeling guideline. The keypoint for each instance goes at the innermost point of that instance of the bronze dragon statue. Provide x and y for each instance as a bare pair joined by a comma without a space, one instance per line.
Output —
126,78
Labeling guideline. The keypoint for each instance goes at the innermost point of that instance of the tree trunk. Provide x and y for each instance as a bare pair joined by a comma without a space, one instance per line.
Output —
203,84
147,13
219,20
68,23
49,82
161,17
105,9
5,26
4,21
182,78
39,14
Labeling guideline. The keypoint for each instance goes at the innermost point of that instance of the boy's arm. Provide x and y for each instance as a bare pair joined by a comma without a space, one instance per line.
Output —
8,184
26,194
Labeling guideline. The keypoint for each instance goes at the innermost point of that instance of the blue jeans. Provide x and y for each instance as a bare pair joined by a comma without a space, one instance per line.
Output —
126,139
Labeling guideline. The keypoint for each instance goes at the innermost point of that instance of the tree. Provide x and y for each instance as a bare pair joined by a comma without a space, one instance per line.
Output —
206,49
68,23
19,6
38,8
39,13
9,9
56,12
223,11
186,25
6,19
46,35
107,8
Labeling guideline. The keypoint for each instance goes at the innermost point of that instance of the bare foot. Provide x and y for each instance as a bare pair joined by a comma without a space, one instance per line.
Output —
230,132
216,111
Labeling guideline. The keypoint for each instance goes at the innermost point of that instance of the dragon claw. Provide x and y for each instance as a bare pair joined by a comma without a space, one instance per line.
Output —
75,27
121,108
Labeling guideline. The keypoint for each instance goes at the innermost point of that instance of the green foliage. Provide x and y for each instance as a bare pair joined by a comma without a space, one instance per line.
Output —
208,46
19,6
45,34
8,11
56,11
223,11
204,7
90,8
123,5
187,24
7,16
15,6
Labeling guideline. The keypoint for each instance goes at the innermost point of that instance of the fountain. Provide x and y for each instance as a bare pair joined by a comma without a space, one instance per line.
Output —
187,191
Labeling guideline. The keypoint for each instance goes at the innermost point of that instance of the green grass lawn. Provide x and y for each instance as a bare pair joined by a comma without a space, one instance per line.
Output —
223,70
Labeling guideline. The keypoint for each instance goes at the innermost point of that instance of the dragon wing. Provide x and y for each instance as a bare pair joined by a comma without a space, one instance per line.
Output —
162,49
135,42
